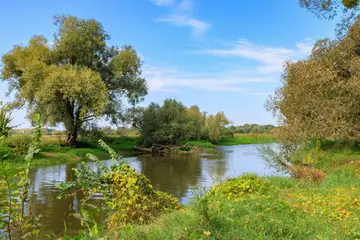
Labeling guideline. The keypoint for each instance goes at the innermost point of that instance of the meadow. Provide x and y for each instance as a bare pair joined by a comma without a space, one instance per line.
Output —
251,207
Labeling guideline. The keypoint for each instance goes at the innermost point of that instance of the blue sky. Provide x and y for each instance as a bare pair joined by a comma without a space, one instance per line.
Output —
223,55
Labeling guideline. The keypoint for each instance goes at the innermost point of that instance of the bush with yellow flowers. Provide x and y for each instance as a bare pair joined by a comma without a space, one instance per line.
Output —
241,186
127,195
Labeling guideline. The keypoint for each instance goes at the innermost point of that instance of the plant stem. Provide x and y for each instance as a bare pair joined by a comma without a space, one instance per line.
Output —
9,197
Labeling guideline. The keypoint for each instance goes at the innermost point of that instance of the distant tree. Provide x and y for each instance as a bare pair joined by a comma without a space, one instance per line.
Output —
256,129
348,10
320,96
196,121
166,124
173,123
215,126
75,79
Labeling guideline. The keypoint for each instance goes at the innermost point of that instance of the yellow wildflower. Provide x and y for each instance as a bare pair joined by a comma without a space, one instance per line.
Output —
207,233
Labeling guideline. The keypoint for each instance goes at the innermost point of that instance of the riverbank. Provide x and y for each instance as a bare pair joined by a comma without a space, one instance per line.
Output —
251,207
239,139
53,150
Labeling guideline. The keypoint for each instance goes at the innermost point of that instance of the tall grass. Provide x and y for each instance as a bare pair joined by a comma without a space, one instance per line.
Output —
288,209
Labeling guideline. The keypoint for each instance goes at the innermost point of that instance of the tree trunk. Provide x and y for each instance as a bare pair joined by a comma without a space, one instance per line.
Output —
72,123
71,139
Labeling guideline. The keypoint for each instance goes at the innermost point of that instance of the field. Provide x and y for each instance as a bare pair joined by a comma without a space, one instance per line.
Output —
248,139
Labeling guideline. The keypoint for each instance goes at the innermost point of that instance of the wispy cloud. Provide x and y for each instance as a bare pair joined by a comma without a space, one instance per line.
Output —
255,79
170,79
163,2
181,20
180,15
270,58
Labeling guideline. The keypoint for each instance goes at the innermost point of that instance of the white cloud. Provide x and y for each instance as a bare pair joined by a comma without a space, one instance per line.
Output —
185,5
181,16
271,58
163,2
170,79
182,20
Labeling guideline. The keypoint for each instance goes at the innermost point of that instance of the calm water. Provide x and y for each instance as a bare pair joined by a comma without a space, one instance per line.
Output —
177,175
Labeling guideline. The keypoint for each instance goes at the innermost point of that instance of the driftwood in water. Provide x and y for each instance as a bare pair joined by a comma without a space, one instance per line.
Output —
163,149
142,149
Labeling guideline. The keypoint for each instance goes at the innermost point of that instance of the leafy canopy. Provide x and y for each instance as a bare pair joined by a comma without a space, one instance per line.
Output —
320,96
173,123
348,10
77,77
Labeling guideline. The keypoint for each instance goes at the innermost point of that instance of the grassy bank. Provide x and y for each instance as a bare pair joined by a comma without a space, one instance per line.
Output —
248,139
287,210
251,207
53,150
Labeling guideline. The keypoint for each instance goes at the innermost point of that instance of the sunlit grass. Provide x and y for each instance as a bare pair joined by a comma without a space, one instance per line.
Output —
248,139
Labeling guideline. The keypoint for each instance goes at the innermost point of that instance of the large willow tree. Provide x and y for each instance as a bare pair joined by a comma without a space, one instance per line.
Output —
320,96
76,78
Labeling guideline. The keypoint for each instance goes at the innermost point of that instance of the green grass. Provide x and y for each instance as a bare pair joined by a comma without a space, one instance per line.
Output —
248,139
58,152
53,152
200,143
275,208
287,209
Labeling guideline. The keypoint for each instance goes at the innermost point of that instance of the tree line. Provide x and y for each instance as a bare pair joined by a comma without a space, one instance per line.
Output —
173,123
252,128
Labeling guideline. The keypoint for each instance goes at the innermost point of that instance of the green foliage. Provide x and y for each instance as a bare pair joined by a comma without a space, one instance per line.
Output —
241,186
173,123
76,79
214,129
14,195
252,128
19,144
248,139
128,196
278,208
319,96
200,143
5,121
350,3
348,10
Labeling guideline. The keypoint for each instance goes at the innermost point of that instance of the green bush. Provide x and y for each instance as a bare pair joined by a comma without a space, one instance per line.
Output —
241,186
5,151
18,143
129,197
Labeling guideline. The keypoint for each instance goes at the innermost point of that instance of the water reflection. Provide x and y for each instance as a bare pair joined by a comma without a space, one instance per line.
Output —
177,175
174,175
43,199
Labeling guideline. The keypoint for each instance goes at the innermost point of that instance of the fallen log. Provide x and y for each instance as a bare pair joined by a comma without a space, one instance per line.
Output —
163,149
142,149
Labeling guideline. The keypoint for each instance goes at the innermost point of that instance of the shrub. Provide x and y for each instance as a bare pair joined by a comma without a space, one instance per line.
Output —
5,151
18,143
129,197
241,186
308,174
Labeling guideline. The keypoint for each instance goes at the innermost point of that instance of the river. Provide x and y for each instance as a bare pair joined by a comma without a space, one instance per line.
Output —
178,175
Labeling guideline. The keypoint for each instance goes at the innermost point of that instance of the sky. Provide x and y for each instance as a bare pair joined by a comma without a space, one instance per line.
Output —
222,55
